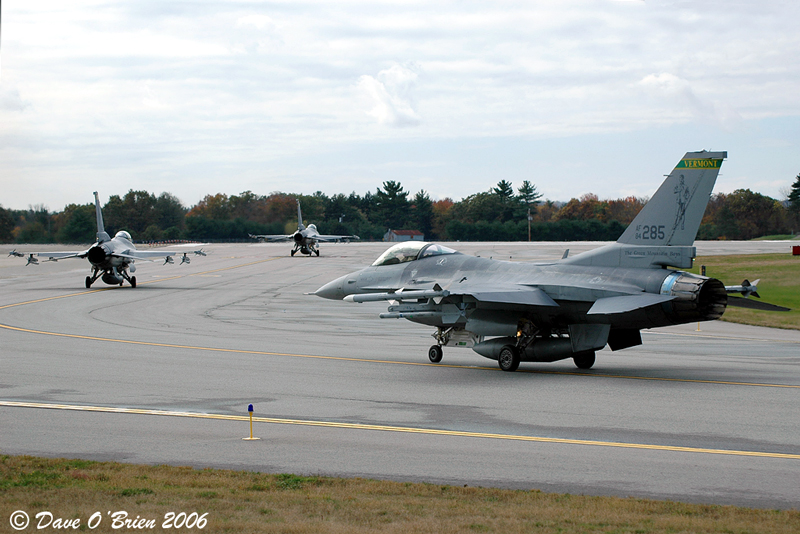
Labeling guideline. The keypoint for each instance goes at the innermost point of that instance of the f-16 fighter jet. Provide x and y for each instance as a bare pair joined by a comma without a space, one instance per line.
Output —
111,258
306,237
571,308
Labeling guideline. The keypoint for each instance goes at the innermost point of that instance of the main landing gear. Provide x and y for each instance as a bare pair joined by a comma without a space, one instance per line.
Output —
435,354
584,360
92,278
509,358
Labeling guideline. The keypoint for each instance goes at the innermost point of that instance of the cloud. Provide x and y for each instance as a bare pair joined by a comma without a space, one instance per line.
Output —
679,93
209,94
10,99
390,95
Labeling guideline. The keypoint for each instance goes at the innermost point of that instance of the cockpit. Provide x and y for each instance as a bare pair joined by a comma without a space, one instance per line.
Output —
411,251
123,234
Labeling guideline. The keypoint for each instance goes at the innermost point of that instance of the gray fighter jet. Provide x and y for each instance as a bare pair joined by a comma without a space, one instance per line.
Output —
111,258
306,237
523,312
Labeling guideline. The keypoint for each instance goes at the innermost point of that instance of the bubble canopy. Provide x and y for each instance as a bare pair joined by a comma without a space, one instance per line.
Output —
411,251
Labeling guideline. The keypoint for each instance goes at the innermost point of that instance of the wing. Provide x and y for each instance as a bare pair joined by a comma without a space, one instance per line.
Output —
55,256
333,238
152,255
273,238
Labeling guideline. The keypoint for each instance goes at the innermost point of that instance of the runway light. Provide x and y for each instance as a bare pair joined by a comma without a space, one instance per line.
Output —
250,411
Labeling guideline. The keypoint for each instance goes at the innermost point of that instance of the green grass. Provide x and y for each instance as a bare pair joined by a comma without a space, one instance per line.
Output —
780,284
239,501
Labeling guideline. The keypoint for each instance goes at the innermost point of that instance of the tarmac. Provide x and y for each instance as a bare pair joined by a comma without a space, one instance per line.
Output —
163,374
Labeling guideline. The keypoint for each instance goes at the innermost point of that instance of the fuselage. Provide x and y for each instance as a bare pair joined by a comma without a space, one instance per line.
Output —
110,257
573,288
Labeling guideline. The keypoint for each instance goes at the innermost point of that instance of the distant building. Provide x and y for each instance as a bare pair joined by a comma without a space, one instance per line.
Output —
404,235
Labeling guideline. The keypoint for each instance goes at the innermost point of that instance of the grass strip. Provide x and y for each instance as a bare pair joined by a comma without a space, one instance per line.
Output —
241,501
780,284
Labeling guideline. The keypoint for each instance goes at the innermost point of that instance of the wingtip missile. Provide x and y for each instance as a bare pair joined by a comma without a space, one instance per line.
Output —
746,288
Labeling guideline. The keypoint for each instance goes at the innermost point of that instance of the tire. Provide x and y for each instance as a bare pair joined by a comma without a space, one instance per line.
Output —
584,360
133,281
317,253
293,252
508,359
88,282
435,354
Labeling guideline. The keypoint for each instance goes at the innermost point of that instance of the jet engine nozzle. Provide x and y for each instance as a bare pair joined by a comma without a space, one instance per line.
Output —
298,237
97,255
697,298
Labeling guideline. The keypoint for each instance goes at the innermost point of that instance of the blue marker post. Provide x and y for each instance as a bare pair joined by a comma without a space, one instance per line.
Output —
250,410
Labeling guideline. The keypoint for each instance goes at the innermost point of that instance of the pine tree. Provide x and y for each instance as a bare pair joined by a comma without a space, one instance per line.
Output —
528,194
794,196
794,203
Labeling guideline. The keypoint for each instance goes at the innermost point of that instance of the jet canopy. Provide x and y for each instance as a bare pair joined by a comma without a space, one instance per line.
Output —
123,234
410,251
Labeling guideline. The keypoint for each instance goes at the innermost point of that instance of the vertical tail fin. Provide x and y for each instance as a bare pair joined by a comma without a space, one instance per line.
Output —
300,225
673,214
102,236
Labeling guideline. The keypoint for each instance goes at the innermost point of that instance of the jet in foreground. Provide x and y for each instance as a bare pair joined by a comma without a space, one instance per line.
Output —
111,258
523,312
305,238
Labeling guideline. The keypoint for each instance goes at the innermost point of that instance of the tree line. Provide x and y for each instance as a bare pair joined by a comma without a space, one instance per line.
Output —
499,214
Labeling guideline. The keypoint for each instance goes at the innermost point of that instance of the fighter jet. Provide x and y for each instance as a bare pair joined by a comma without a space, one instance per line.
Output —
570,308
111,258
305,238
15,253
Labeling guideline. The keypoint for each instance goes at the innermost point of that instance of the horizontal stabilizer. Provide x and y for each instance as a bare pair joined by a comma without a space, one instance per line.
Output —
627,303
741,302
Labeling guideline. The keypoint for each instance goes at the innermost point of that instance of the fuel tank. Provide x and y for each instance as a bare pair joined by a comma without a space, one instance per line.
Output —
542,350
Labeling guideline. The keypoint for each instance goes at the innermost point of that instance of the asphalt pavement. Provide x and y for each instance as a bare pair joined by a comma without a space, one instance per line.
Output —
163,374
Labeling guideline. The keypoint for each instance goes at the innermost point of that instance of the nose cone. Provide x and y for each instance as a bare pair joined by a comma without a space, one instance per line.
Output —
332,290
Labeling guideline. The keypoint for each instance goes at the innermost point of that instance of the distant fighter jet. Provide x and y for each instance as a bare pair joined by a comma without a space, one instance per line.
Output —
111,258
522,312
17,254
305,238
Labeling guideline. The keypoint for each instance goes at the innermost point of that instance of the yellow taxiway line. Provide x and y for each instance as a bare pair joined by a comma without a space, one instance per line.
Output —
405,430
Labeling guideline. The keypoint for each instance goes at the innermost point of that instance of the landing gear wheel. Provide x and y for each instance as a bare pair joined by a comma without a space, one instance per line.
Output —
88,282
508,358
133,281
584,360
317,253
293,252
435,354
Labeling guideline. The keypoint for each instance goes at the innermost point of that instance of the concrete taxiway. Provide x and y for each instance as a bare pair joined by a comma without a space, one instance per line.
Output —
163,374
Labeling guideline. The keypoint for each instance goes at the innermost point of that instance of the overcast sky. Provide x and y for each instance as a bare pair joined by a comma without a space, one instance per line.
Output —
201,97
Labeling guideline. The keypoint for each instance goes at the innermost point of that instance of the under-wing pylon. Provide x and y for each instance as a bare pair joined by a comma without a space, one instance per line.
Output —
306,237
111,258
571,308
